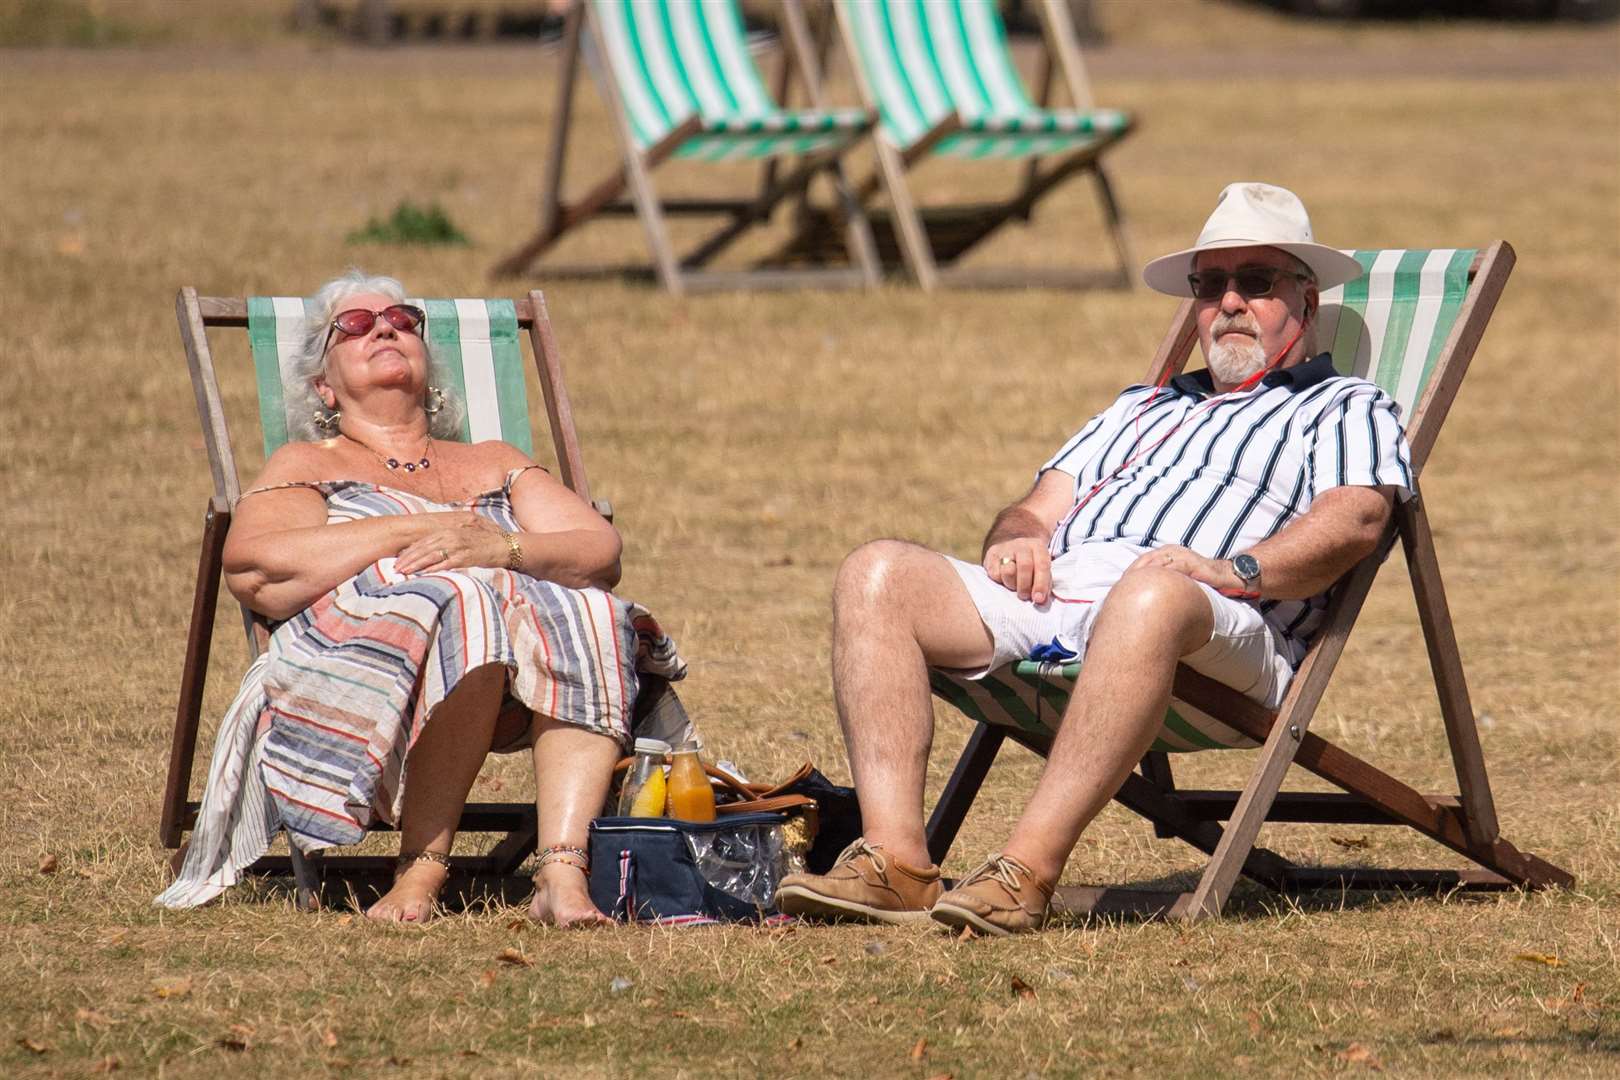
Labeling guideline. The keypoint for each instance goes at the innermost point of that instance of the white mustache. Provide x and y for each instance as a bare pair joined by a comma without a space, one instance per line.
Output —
1225,326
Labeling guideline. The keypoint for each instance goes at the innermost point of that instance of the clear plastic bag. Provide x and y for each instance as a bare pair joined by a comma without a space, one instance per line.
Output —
745,862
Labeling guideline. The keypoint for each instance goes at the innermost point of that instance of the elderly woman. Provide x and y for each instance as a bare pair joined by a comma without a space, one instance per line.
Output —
437,601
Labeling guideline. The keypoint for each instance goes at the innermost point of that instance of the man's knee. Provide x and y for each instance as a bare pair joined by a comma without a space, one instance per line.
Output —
1153,602
876,573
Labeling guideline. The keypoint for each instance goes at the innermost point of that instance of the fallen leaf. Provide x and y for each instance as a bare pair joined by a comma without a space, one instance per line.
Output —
587,1021
33,1046
172,986
1579,993
237,1038
98,1021
873,1000
106,1065
1353,843
518,924
487,979
919,1051
400,1062
47,864
329,1039
513,957
1356,1054
967,933
1021,988
345,920
829,959
942,1076
795,1043
468,1053
1540,958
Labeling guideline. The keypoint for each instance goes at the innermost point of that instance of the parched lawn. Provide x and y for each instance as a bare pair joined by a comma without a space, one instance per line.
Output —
748,442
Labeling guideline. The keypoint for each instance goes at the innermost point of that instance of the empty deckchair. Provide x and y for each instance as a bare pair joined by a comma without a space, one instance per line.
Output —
943,81
1411,324
479,341
679,82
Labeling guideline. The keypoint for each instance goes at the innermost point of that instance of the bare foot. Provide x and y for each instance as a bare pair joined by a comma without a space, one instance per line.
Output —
411,900
561,899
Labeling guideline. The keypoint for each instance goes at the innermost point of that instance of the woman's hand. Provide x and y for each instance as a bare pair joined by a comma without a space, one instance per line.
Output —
453,541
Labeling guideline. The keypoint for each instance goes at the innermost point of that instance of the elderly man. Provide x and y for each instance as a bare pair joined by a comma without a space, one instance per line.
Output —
1202,521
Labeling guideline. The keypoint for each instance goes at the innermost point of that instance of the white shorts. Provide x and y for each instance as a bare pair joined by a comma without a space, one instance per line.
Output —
1243,652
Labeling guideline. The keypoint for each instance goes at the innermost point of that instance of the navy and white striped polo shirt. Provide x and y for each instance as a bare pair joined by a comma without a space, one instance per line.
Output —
1220,473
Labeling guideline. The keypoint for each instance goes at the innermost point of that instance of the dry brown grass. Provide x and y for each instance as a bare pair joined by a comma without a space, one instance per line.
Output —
748,443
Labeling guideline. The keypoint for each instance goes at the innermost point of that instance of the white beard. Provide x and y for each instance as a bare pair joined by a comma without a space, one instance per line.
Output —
1231,363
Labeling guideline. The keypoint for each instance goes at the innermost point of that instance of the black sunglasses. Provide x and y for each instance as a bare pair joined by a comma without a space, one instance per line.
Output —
1253,282
406,318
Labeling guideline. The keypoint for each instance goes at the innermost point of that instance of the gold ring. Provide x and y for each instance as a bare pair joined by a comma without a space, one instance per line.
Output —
1006,559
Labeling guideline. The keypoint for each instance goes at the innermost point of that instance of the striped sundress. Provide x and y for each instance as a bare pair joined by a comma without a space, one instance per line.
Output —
317,738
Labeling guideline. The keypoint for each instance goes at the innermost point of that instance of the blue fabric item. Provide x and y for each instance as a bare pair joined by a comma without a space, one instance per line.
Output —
1051,653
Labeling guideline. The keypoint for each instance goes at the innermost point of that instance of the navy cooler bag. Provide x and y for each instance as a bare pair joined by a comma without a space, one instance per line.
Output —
674,872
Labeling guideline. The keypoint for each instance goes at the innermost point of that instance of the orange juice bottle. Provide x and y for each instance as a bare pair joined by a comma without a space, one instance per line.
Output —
691,798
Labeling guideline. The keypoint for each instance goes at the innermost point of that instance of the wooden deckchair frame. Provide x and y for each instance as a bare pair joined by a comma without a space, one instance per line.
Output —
179,813
681,274
1466,823
920,232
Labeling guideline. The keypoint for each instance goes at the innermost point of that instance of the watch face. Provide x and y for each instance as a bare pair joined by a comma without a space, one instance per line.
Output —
1247,567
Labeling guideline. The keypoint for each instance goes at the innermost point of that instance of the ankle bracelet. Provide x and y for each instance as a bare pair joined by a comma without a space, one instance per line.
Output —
409,858
577,857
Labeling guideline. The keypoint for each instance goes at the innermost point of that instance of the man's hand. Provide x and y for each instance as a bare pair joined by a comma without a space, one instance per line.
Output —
1023,565
1216,573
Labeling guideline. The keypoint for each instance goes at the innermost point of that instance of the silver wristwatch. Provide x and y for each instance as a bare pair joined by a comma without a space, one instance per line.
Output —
1247,568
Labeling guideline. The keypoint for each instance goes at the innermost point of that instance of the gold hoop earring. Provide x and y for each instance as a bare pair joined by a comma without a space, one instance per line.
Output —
436,396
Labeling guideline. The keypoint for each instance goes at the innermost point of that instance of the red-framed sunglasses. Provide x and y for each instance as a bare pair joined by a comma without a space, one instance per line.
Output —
355,322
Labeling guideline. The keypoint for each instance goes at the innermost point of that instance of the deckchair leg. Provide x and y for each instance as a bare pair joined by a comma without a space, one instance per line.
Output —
961,788
635,168
199,642
1116,225
1474,787
913,236
1253,805
551,184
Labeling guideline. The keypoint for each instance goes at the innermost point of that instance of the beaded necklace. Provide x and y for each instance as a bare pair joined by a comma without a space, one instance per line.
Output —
391,463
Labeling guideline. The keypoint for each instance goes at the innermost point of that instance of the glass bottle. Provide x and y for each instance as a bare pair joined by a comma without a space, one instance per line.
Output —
691,797
644,790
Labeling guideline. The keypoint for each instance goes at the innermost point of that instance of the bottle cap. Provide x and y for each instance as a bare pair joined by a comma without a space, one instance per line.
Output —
652,746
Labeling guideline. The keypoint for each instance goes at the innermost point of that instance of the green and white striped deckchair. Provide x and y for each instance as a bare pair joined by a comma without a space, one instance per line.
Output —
941,76
479,341
680,82
1410,324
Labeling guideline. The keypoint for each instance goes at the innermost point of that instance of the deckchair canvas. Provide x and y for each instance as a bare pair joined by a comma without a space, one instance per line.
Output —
943,80
479,341
1410,324
679,82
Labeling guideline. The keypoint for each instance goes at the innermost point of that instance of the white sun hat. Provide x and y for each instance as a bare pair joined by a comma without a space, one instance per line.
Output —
1254,215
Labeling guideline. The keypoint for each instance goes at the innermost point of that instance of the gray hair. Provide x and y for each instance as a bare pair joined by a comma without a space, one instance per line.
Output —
309,361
